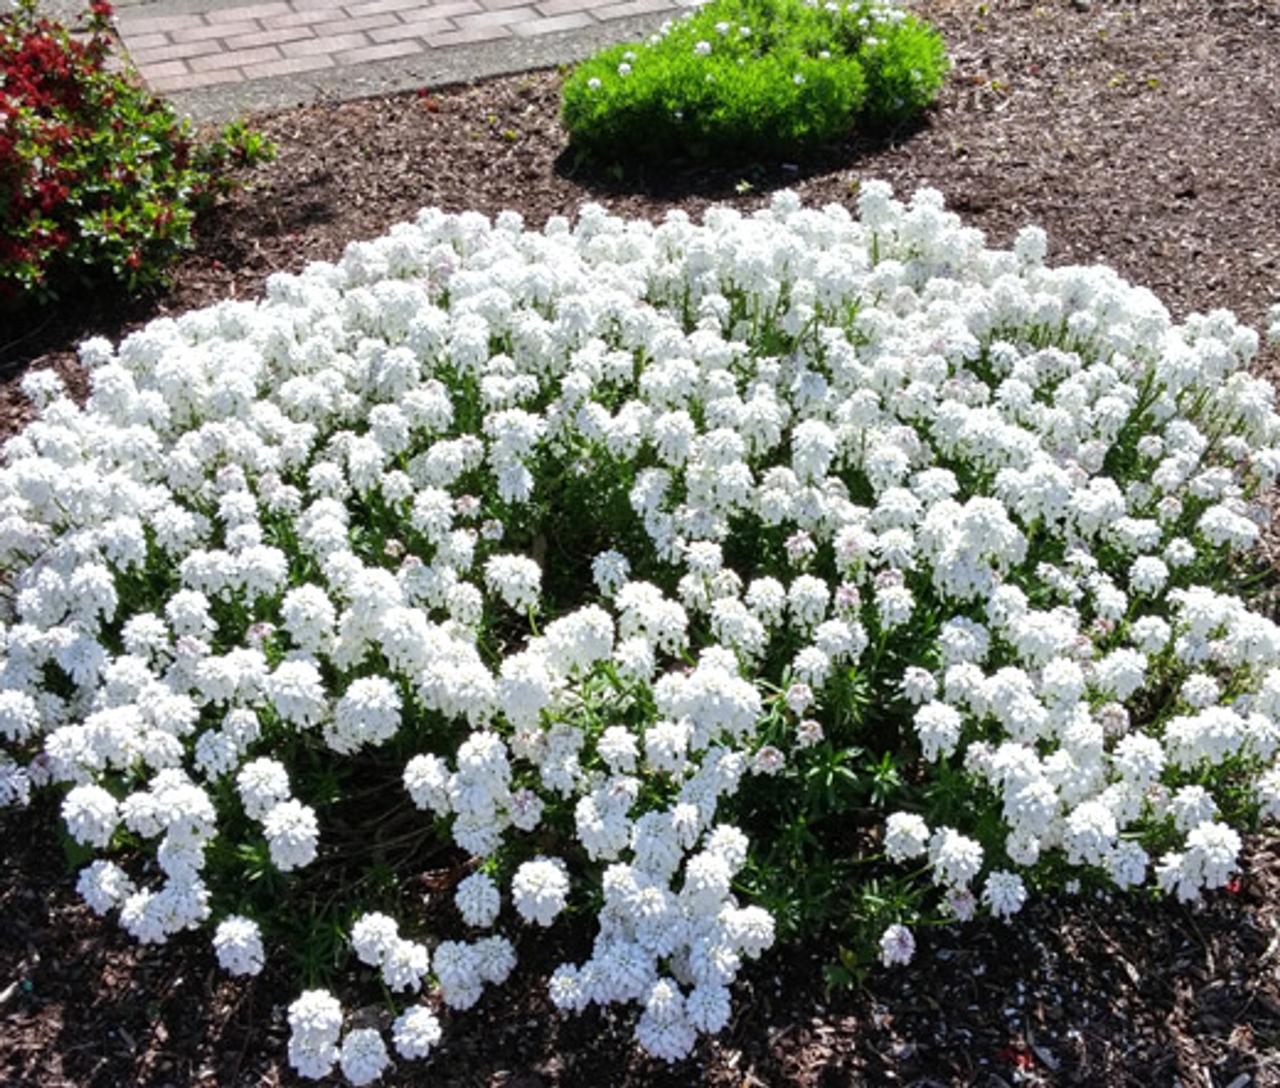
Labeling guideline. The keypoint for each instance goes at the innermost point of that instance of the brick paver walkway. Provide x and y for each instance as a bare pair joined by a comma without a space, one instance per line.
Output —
229,45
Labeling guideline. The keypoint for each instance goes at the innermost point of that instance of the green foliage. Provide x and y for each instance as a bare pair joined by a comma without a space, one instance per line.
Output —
752,77
100,182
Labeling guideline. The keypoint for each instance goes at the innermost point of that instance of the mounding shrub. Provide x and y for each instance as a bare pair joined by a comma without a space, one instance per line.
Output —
689,587
750,77
99,181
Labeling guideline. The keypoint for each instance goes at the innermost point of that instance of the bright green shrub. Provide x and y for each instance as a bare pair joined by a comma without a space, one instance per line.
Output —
754,77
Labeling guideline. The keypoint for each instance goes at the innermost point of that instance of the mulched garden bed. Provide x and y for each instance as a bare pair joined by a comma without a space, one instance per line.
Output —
1145,137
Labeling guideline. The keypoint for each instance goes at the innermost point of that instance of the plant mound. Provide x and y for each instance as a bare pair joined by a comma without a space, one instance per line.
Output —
738,78
99,181
684,587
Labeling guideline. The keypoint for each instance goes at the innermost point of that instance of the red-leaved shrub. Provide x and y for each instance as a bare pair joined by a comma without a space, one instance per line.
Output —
100,181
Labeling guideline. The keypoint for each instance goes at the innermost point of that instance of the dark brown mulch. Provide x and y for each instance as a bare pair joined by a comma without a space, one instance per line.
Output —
1144,136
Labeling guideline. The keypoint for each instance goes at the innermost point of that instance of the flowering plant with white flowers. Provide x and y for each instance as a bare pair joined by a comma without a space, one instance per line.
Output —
693,583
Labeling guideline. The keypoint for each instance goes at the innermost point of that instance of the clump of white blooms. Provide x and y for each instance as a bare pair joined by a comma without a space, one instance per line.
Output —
363,1056
539,890
897,945
238,943
315,1024
478,900
291,832
416,1032
590,530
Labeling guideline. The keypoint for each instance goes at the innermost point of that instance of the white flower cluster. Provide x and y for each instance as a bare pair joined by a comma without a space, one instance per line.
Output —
1273,324
315,1026
238,943
698,931
1010,496
376,940
182,817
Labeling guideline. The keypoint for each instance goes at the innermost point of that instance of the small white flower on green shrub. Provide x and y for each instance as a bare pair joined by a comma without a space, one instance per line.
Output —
897,946
813,78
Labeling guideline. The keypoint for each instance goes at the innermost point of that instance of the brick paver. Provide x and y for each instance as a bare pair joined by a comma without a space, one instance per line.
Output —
194,80
167,68
147,41
233,58
247,42
629,8
270,37
505,17
326,45
532,28
249,11
135,21
404,31
211,32
467,37
290,66
148,60
387,51
380,7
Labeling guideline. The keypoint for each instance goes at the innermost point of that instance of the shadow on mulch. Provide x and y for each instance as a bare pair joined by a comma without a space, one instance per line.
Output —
78,314
677,180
